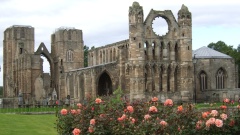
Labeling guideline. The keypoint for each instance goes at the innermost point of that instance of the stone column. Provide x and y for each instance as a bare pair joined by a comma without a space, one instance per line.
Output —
165,52
93,78
87,84
157,52
164,79
172,83
157,79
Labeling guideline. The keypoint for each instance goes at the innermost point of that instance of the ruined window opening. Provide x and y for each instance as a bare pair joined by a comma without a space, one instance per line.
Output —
153,50
134,38
188,47
69,56
139,45
61,61
160,26
182,34
20,50
176,52
203,81
183,16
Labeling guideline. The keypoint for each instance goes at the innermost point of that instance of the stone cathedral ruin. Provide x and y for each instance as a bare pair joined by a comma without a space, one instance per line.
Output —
143,66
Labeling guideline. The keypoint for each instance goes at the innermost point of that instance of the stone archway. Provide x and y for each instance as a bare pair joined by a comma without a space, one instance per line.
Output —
104,85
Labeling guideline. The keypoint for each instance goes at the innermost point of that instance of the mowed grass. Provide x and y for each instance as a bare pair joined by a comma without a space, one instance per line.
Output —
17,124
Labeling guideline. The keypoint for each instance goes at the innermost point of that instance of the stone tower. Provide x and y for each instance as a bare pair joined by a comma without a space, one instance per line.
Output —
18,47
136,51
185,44
67,53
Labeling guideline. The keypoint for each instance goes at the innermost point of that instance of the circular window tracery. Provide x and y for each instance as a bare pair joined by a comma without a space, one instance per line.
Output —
160,26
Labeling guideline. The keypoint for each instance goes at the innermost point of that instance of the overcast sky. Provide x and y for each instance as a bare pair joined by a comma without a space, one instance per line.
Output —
106,21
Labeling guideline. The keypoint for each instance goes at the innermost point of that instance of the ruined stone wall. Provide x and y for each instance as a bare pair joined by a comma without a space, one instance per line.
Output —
105,54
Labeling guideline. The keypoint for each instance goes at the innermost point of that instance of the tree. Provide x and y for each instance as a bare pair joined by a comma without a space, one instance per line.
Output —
86,49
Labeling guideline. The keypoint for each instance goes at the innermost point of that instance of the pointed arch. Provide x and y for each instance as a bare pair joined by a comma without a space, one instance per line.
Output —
146,47
154,50
176,51
220,78
203,80
176,78
161,50
69,55
168,78
104,84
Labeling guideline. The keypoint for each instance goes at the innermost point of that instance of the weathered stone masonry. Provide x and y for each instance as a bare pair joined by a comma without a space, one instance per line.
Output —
144,65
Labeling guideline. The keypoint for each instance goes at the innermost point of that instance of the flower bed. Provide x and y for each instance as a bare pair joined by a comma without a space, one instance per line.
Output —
115,116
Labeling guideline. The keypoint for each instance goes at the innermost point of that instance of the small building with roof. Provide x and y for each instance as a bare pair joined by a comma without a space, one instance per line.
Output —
215,75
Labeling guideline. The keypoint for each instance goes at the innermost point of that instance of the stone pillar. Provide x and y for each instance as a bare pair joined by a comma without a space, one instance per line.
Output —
149,52
157,52
93,78
164,80
172,54
165,52
87,84
157,79
122,66
149,78
172,83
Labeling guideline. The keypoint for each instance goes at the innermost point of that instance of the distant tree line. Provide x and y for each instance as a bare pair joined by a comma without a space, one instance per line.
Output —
228,50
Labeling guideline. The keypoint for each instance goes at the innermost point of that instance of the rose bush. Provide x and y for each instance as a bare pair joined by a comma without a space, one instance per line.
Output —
116,115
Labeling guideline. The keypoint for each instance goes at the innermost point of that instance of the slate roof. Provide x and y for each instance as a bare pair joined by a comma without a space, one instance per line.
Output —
205,52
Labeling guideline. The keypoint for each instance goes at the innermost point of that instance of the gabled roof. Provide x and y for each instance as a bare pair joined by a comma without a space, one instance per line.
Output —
205,52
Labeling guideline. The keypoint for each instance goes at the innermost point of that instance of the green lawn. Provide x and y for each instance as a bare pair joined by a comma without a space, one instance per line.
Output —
17,124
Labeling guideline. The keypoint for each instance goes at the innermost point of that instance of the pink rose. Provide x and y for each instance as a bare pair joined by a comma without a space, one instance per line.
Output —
163,123
92,121
224,116
132,120
130,109
79,105
64,111
214,113
218,123
147,116
90,129
78,111
226,100
153,109
180,108
76,131
73,111
154,99
199,124
168,102
98,100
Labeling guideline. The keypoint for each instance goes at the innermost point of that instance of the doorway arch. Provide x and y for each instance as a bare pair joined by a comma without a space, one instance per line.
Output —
104,85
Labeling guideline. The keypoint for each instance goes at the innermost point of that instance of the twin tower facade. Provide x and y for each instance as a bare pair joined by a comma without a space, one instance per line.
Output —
143,66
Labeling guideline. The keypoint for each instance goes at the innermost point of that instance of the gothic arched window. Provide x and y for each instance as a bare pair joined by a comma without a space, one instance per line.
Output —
203,80
69,56
220,79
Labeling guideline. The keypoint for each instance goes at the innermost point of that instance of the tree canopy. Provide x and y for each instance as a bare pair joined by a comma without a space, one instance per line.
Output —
86,49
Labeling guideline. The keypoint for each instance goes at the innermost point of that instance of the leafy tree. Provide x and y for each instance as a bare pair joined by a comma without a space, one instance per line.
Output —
86,49
1,91
228,50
